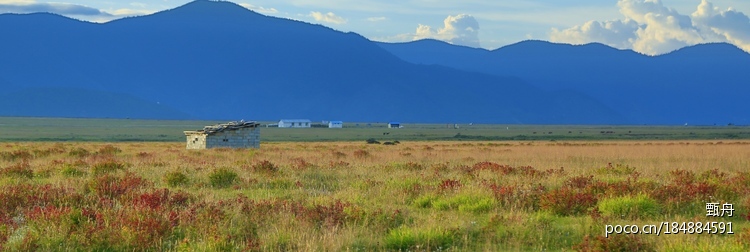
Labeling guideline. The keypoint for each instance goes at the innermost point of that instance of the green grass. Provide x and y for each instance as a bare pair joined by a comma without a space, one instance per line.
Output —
118,130
222,178
629,207
463,203
405,239
176,178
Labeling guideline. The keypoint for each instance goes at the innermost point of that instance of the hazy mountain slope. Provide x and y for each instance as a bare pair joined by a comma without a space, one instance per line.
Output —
217,60
702,84
73,102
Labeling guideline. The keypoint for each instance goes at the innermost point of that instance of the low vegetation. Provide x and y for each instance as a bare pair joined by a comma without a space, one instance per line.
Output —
414,196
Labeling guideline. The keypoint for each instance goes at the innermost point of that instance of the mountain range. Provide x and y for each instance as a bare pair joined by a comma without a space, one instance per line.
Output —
701,84
217,60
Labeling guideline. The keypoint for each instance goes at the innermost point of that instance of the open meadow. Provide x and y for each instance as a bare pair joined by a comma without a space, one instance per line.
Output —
21,129
332,196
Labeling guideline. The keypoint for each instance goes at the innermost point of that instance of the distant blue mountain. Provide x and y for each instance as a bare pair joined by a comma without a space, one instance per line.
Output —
74,102
218,60
702,84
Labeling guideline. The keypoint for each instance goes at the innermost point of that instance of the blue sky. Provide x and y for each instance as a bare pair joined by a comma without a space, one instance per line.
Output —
647,26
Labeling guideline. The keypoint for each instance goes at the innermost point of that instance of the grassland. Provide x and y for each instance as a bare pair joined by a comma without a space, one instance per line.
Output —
118,130
333,196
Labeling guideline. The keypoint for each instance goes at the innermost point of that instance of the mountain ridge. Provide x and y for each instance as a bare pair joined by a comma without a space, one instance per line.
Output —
701,84
246,65
211,60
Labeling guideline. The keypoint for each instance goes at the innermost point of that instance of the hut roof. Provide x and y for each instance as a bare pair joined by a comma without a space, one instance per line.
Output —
225,126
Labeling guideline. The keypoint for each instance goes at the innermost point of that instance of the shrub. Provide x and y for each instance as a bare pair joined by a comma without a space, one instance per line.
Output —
449,185
531,171
79,152
20,170
143,155
17,197
265,166
684,192
338,154
463,203
630,242
301,164
361,154
713,175
175,178
107,166
404,239
15,155
108,150
153,200
566,201
629,207
111,186
618,169
330,215
579,182
525,197
410,166
487,166
385,220
681,177
504,194
424,201
222,178
339,164
478,205
438,168
71,171
318,180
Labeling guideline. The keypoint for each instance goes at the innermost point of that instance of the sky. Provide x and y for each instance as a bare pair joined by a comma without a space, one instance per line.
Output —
650,27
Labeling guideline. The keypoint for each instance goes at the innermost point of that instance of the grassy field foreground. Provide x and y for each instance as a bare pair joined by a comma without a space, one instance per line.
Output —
353,196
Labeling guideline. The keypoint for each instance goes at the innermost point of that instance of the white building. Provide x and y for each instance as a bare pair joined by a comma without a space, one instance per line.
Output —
335,124
295,123
394,125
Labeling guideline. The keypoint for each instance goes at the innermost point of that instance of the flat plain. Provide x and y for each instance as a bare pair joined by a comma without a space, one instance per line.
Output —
121,184
413,196
133,130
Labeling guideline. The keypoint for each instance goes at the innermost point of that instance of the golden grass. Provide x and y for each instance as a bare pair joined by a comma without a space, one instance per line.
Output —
379,188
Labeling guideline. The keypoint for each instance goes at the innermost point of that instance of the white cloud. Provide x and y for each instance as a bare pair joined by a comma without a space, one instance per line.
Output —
71,10
139,5
458,30
731,25
130,12
376,19
651,28
398,38
15,6
17,1
259,9
618,33
329,17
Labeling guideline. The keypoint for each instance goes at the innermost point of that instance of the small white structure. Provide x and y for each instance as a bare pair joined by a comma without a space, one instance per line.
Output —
394,125
335,124
228,135
295,123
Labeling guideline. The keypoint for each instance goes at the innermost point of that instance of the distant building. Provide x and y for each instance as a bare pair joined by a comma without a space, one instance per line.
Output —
228,135
295,123
394,125
335,124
